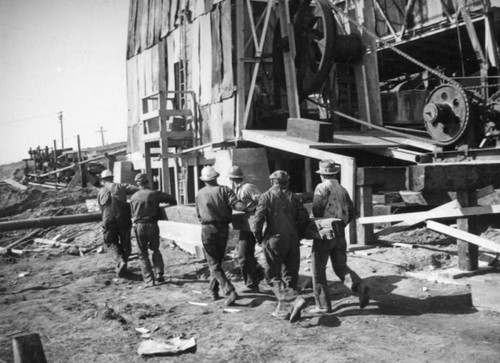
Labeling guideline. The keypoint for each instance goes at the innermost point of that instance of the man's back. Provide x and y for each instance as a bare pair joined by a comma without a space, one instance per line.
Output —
145,204
213,204
332,200
279,209
112,199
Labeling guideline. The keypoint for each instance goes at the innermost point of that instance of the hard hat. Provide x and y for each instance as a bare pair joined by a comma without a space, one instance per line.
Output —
280,175
141,178
106,174
209,173
328,167
235,172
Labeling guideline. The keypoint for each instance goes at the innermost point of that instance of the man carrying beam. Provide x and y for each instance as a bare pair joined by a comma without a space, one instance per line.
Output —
331,200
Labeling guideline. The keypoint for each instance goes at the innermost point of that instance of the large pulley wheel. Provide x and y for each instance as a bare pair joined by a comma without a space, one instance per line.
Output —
447,114
315,34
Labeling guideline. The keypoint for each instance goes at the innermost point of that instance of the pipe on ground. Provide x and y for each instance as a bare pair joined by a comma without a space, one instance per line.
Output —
45,222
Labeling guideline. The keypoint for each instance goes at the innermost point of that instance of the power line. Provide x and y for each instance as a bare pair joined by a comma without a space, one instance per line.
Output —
28,118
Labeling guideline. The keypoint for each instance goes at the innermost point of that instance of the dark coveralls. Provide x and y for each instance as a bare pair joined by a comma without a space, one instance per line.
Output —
214,204
331,200
286,218
145,214
251,272
116,219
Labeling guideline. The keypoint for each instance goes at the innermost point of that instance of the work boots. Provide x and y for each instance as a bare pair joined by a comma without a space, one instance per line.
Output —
300,303
231,298
121,269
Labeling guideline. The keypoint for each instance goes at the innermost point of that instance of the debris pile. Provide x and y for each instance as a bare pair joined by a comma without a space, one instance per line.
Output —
32,204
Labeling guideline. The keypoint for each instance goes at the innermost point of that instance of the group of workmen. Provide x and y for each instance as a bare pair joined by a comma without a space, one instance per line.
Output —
279,222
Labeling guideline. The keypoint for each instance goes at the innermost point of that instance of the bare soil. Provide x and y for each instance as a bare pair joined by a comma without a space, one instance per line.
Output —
72,298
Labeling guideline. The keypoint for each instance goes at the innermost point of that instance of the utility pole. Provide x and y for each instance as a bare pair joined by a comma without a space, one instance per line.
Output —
62,133
102,134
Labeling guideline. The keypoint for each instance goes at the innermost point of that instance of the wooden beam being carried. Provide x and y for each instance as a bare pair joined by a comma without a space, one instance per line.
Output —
465,236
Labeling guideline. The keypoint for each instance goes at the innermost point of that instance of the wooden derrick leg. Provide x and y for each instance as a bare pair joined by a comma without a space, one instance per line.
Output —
364,206
28,349
468,254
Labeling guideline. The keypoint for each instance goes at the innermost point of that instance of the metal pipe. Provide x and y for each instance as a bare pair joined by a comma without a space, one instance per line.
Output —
44,222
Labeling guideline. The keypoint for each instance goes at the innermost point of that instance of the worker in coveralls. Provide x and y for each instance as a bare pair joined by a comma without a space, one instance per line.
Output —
145,205
116,222
248,193
286,218
214,205
331,200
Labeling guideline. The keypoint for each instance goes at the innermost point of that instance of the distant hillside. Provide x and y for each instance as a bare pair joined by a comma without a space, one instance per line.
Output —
7,170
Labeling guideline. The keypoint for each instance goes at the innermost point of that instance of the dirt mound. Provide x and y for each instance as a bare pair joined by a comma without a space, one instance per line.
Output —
419,236
14,202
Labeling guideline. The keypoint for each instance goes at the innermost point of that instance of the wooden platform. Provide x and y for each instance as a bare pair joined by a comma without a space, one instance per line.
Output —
341,140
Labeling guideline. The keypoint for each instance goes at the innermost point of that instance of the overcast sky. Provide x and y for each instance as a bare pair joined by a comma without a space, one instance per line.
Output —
61,55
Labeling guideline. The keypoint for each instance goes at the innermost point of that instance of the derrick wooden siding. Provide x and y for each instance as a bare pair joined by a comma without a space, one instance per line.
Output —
156,43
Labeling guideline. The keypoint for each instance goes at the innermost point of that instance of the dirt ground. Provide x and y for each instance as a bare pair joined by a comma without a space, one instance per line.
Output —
72,298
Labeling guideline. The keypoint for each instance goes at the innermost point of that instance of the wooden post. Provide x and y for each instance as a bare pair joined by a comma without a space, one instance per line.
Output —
289,59
468,254
81,166
147,163
364,207
240,70
367,79
308,172
28,349
55,155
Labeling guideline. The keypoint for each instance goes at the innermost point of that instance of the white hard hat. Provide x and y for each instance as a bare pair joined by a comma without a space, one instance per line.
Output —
106,174
208,173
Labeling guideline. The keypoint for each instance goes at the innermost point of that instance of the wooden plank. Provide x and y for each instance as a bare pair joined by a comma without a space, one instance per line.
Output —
367,79
195,59
132,22
419,216
28,348
206,54
165,20
138,26
10,246
158,20
50,242
408,224
452,177
144,25
468,254
157,76
217,55
465,236
16,184
240,66
310,129
227,86
364,206
151,23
